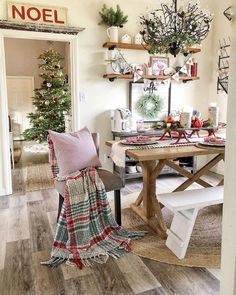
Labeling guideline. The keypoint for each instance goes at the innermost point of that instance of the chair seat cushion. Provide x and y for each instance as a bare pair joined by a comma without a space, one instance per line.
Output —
111,182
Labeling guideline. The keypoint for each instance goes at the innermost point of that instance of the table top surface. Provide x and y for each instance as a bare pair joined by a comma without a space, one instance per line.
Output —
169,152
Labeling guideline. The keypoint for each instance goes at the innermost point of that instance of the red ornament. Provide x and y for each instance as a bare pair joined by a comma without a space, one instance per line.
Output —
197,123
170,120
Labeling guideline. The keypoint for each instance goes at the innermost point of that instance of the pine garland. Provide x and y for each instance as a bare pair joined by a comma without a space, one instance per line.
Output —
110,17
149,105
52,101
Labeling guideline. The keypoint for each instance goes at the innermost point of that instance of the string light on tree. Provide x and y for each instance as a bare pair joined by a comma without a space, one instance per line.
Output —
51,101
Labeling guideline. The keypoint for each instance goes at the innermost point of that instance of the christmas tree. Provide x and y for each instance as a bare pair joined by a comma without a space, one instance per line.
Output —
52,101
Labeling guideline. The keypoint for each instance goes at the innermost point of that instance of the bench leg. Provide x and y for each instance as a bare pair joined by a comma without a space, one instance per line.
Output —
180,231
117,206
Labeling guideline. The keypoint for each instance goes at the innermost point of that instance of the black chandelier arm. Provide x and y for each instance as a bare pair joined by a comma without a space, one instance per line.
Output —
170,29
167,18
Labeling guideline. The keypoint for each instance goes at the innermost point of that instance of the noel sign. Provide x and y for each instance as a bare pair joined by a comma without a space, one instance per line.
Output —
41,14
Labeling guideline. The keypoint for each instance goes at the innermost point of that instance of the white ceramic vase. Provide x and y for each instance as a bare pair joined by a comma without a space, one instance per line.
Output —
113,34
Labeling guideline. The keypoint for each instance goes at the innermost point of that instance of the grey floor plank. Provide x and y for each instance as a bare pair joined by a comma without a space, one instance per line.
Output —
111,279
40,233
18,180
183,280
17,276
4,202
84,285
22,273
47,281
4,213
50,197
18,224
157,291
34,196
137,274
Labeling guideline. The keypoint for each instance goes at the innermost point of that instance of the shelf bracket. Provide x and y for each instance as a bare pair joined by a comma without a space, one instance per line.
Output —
112,79
112,47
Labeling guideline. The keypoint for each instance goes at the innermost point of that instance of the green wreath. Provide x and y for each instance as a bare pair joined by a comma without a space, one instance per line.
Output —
149,105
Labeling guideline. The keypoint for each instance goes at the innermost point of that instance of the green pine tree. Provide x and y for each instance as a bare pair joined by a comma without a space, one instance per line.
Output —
52,101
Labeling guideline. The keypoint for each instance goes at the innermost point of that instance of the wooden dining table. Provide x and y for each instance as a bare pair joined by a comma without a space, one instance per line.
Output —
153,161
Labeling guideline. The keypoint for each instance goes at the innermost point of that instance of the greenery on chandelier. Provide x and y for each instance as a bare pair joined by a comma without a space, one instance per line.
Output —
171,42
172,29
52,101
110,17
149,105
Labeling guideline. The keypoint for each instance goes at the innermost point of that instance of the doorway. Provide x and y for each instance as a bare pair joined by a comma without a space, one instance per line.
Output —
5,152
25,60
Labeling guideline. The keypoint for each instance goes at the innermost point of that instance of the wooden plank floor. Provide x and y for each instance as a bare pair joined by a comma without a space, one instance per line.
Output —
27,225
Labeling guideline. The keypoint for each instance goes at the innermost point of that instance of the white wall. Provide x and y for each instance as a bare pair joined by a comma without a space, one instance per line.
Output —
102,95
22,56
228,264
221,30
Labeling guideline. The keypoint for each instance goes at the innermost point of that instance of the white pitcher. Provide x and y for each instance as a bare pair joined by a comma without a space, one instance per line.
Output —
112,33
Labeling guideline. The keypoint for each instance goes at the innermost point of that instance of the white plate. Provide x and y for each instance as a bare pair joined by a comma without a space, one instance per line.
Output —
213,144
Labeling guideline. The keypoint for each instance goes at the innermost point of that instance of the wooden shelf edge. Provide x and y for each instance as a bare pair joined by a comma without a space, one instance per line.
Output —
112,45
130,77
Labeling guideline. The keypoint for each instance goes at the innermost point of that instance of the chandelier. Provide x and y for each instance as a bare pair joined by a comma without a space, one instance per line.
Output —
172,29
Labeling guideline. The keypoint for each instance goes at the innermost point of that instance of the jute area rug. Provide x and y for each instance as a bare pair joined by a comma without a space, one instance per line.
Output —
204,249
38,177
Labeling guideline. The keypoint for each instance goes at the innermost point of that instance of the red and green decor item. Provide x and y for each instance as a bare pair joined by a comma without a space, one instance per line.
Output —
52,101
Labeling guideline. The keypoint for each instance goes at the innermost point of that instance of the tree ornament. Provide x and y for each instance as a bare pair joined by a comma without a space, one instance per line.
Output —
149,105
49,115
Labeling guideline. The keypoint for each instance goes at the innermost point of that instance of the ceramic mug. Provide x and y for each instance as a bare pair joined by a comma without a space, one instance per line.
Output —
112,33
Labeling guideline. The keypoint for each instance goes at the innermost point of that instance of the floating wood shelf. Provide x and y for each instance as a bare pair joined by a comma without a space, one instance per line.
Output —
112,77
113,45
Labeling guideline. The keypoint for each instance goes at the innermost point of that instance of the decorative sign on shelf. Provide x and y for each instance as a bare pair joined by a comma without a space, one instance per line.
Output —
40,14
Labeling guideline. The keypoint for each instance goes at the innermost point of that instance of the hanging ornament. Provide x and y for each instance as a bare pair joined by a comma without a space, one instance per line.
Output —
47,102
49,85
184,70
176,77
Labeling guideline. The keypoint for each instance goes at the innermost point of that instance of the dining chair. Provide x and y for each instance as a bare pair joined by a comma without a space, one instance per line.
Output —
112,182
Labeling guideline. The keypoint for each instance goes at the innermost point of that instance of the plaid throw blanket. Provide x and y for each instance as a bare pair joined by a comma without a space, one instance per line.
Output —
86,230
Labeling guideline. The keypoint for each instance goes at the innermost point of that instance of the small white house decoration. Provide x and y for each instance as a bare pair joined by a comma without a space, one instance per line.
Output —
126,39
138,39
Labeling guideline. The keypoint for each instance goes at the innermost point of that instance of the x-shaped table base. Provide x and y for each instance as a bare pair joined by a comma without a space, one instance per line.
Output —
147,205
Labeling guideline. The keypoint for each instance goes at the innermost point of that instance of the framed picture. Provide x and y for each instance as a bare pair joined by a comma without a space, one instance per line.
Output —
159,64
137,90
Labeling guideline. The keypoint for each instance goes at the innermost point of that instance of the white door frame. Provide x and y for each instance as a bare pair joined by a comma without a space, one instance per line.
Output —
5,163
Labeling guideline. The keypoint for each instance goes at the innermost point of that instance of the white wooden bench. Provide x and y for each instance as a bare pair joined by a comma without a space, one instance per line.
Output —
185,205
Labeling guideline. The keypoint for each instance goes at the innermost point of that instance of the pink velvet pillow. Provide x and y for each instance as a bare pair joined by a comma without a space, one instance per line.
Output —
74,151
